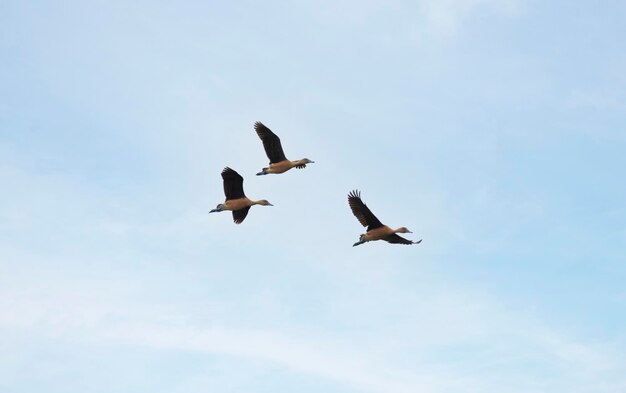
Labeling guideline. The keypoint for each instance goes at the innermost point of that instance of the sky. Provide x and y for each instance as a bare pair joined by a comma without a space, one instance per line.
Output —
493,129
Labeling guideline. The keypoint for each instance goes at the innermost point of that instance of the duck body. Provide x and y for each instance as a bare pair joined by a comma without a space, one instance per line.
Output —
377,234
238,204
283,166
387,234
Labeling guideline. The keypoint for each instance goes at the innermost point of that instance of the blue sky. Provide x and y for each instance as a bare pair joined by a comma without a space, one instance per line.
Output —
492,129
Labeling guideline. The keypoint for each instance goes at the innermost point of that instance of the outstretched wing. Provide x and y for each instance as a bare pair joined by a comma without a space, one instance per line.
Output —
240,215
233,184
271,143
362,212
396,239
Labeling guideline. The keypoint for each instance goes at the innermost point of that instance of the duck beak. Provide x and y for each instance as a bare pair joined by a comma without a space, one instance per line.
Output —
214,211
269,204
409,232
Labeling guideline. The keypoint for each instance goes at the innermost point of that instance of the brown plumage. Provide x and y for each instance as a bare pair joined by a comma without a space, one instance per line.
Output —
236,201
274,151
376,230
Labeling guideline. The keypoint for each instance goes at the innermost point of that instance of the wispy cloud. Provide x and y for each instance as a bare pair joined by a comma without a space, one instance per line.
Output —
446,17
93,311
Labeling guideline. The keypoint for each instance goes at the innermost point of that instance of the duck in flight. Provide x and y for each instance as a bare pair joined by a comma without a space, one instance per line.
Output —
236,200
278,162
375,229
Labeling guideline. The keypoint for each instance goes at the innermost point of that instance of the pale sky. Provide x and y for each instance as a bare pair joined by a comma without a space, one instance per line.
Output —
494,130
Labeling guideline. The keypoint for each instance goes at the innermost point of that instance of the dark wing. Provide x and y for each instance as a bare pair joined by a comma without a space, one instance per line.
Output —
395,239
233,184
362,212
240,215
271,143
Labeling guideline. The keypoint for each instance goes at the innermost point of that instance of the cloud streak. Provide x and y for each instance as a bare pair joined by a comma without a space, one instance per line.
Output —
503,340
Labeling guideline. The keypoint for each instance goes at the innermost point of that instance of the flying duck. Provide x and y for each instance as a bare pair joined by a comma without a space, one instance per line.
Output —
274,151
375,229
236,200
